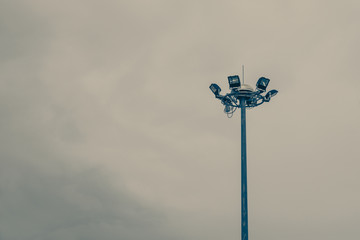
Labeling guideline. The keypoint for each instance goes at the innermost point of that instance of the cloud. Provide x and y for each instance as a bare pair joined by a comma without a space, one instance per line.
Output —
108,129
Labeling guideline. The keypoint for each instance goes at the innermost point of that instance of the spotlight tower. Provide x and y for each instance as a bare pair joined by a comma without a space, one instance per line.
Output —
243,96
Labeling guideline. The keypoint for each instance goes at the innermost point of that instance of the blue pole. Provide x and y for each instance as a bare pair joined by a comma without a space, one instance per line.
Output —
244,207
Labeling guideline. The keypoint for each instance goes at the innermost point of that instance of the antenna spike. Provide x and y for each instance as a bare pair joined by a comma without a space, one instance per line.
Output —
243,74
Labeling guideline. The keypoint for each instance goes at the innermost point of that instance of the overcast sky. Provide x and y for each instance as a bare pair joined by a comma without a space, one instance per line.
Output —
108,129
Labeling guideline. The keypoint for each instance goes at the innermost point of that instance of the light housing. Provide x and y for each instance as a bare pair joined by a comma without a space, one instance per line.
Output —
270,94
234,81
262,84
215,89
228,109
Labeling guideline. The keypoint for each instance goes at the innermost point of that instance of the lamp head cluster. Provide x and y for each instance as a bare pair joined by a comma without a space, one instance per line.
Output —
251,98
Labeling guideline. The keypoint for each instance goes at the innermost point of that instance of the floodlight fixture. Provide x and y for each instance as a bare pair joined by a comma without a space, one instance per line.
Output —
227,108
215,89
234,81
270,94
262,84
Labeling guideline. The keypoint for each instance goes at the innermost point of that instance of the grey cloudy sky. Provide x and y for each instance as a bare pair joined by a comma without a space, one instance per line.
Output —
108,129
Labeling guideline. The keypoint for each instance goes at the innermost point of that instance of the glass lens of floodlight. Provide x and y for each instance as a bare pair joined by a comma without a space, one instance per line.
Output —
262,83
272,93
215,88
234,81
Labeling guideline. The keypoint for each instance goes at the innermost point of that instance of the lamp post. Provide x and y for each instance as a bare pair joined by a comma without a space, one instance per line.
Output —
243,96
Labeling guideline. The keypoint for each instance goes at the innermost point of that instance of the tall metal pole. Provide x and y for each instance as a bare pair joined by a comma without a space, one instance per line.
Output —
244,207
243,96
